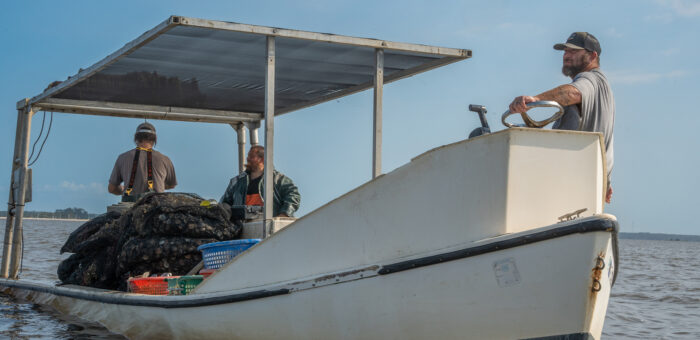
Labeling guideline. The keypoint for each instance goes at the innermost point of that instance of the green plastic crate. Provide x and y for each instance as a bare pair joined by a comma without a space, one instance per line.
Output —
183,285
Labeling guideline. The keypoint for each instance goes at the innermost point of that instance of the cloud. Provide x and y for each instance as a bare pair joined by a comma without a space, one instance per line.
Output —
612,32
472,31
72,186
644,78
505,25
670,51
664,18
684,8
510,28
93,187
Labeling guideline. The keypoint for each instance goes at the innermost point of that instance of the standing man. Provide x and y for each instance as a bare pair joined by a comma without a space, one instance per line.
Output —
248,188
588,101
142,169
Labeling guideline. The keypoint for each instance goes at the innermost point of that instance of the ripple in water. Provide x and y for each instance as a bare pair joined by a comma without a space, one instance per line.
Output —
22,320
657,293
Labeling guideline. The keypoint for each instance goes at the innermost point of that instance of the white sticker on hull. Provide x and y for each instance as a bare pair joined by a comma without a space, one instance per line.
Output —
506,272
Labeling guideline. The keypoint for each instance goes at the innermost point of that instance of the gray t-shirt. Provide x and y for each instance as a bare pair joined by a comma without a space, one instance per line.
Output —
597,113
163,171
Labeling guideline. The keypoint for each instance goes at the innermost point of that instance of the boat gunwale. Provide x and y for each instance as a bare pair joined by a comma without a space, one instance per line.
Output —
598,223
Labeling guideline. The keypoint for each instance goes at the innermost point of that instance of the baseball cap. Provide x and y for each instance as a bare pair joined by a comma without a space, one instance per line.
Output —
146,127
579,41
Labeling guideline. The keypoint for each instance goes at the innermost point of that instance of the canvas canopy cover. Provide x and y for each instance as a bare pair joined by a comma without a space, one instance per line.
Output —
187,66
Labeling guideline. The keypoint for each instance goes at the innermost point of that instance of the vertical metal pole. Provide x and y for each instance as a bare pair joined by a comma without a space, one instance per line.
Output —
240,132
253,131
9,222
254,139
269,134
20,193
378,93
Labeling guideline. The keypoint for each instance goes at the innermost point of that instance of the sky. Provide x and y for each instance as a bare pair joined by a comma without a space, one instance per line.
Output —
649,52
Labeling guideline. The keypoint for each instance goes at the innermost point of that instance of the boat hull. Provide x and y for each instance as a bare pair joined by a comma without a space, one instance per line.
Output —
549,282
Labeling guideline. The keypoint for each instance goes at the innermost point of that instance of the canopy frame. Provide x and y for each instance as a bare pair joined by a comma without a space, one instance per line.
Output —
237,119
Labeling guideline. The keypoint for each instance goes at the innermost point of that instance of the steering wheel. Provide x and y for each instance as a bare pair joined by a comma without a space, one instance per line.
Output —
529,122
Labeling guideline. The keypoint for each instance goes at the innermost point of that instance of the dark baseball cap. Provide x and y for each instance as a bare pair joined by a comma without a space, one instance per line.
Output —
146,127
579,41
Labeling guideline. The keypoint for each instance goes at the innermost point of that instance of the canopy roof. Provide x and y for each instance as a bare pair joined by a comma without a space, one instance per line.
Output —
188,67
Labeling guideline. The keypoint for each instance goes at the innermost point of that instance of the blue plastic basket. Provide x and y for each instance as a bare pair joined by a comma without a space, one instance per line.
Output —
217,254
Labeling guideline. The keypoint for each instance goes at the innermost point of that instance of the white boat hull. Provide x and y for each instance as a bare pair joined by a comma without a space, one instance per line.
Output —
493,289
457,243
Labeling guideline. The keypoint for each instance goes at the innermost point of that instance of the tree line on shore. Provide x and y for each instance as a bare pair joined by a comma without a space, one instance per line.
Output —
68,213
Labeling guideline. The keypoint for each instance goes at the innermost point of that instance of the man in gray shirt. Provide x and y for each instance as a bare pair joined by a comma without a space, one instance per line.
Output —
588,101
142,169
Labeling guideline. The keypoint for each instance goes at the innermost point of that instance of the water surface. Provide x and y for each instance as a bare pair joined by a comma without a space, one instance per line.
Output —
21,320
657,294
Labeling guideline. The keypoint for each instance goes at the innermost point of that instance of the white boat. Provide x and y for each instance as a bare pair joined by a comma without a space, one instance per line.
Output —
501,236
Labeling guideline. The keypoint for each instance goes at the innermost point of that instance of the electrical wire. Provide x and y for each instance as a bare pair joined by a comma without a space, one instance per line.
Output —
43,120
48,131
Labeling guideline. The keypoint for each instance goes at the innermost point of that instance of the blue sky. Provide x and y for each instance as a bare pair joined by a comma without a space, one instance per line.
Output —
649,49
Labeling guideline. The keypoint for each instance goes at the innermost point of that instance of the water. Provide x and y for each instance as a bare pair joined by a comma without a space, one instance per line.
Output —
21,320
657,294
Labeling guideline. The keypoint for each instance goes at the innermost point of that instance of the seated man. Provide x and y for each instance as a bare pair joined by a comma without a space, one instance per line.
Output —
248,187
145,169
588,100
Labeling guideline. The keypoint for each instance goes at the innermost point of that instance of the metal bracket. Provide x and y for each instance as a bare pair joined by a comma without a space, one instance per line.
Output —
572,215
22,104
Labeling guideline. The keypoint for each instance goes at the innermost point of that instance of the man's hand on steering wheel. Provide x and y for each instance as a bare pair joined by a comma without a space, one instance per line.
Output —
522,104
519,104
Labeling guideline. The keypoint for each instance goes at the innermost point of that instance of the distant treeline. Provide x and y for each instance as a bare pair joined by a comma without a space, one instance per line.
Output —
660,237
68,213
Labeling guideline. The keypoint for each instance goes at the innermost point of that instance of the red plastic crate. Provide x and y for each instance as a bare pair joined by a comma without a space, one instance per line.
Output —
149,285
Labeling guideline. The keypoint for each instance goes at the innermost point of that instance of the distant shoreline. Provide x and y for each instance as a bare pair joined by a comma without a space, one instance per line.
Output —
51,219
623,235
660,237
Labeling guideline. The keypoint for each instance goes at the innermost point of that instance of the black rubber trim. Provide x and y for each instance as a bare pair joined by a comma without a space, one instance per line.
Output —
131,301
573,336
616,253
602,224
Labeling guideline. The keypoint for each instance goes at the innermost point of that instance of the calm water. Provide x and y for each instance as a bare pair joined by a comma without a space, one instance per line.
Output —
657,294
20,320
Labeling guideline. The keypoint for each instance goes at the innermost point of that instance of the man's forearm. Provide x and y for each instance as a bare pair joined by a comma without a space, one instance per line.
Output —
115,189
564,95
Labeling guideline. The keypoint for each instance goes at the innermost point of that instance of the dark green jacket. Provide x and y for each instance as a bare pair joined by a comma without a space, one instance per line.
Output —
286,194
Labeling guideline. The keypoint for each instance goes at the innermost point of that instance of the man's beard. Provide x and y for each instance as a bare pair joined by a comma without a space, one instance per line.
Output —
251,167
577,66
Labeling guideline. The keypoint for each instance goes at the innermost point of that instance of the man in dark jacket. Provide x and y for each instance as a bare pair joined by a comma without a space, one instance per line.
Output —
248,188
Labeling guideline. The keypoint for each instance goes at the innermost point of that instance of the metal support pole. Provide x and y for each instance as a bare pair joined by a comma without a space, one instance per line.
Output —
9,222
253,131
269,135
13,231
377,132
240,132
